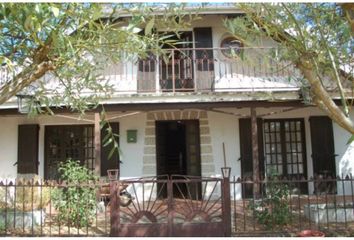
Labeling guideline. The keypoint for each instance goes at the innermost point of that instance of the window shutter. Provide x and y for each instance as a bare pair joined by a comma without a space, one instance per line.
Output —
245,131
322,135
147,64
204,58
323,156
113,162
27,156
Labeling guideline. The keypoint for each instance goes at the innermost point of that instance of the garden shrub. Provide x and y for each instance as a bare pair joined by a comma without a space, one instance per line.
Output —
76,204
273,210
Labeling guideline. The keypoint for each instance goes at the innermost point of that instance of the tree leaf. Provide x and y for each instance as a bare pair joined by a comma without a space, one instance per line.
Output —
55,11
28,23
149,26
351,139
107,143
111,153
105,139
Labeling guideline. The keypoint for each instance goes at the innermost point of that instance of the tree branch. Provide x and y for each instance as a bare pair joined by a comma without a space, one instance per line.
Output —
334,69
306,67
24,79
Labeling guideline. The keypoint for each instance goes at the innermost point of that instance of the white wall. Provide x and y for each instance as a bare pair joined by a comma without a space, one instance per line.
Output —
345,158
132,153
224,129
8,147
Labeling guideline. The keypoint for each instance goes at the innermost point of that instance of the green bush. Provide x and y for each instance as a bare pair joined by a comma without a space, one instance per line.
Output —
273,210
76,204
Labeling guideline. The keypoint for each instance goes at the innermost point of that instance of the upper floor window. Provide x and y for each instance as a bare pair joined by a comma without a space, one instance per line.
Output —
231,46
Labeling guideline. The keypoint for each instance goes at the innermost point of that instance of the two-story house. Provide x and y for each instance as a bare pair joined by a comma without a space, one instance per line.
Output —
202,109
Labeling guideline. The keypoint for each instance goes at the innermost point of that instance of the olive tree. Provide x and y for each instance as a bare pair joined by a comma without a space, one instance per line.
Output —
72,43
317,39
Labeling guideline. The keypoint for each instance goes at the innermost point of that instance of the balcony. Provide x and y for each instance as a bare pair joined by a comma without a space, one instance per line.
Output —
205,70
196,70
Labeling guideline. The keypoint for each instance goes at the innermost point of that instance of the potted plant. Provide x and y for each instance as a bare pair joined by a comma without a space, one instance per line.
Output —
113,174
310,233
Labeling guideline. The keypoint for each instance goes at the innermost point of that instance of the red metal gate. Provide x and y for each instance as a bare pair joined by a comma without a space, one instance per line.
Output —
177,206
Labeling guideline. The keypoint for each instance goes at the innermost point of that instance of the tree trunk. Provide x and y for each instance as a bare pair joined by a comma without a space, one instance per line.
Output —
322,99
23,79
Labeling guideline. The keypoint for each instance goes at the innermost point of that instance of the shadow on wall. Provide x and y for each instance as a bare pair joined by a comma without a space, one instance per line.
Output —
346,163
346,167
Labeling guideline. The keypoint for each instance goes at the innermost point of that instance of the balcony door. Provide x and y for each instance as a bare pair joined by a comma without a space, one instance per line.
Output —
176,74
187,65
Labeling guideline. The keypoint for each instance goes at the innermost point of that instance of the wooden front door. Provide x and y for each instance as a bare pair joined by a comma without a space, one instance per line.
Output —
178,151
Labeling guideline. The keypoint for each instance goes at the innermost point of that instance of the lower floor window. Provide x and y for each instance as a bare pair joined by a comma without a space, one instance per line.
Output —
64,142
284,146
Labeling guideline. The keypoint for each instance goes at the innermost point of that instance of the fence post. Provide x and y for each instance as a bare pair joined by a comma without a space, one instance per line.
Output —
226,201
173,72
170,206
114,209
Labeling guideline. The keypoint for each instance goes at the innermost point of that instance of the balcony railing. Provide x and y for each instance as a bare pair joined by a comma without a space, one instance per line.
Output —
205,70
200,70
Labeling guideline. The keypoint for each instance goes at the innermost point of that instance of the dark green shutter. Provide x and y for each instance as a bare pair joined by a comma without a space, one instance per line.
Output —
27,156
204,58
322,144
113,162
147,64
246,155
323,156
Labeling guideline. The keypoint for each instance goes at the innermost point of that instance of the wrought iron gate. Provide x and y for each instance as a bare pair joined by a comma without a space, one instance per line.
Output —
172,206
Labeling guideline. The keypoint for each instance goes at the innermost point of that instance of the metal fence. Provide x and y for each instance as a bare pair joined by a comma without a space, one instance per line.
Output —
50,208
282,209
174,205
